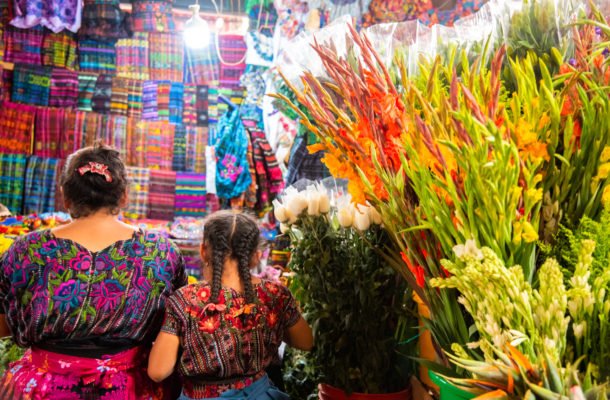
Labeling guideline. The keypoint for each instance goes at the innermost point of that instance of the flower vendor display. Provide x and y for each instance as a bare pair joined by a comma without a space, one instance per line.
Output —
348,292
489,177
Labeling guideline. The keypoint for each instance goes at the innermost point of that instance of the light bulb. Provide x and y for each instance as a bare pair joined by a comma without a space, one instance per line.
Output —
196,33
220,23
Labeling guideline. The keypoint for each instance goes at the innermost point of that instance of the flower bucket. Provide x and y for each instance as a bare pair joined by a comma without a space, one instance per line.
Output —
449,391
426,348
328,392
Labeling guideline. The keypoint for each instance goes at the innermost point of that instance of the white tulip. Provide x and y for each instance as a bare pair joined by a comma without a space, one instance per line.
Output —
279,211
362,222
324,203
284,228
292,218
296,204
313,206
375,216
346,217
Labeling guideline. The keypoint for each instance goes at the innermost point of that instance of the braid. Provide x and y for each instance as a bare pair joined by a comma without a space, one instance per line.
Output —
243,252
218,260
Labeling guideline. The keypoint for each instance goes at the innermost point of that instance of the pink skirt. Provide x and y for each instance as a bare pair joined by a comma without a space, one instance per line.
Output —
43,375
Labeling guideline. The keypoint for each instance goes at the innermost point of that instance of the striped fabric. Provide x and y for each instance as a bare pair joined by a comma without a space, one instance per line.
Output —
149,101
59,50
139,182
119,102
201,66
162,195
48,131
97,56
103,19
152,16
16,128
176,102
102,96
134,98
132,57
1,42
118,127
190,194
104,129
196,142
91,130
166,57
23,45
64,88
59,199
159,145
233,49
40,184
31,85
86,88
74,122
189,103
163,93
136,144
6,87
12,181
179,162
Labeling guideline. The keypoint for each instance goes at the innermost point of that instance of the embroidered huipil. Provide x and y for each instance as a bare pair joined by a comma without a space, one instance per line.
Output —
227,344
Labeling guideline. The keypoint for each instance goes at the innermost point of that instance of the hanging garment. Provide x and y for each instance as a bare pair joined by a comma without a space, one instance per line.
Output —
179,162
189,105
12,181
59,50
159,141
64,88
48,131
40,179
139,183
150,110
56,15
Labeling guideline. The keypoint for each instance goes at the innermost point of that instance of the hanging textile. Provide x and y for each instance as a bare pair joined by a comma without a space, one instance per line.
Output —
189,104
23,45
263,18
190,194
16,123
249,196
176,105
166,57
132,57
163,93
102,96
91,129
179,162
97,56
196,142
136,144
104,131
59,50
304,165
232,175
31,85
6,12
48,131
149,100
12,181
40,183
7,84
71,135
118,128
64,88
139,182
59,198
201,106
119,98
56,15
232,65
159,145
134,98
202,66
162,195
1,44
269,177
86,89
152,16
103,19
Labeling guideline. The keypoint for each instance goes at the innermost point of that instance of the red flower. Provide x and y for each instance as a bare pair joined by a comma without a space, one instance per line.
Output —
209,324
272,319
416,270
203,294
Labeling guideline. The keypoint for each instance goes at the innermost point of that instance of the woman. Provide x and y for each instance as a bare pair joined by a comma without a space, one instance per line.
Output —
87,297
229,326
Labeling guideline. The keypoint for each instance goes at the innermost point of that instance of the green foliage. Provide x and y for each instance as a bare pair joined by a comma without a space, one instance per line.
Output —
353,300
9,352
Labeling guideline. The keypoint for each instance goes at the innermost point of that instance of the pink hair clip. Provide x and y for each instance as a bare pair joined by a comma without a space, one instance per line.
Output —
96,168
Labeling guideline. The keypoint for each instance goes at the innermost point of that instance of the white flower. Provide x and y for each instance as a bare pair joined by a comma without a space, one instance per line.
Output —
375,216
284,228
362,221
469,249
296,203
313,203
346,217
579,329
324,203
279,211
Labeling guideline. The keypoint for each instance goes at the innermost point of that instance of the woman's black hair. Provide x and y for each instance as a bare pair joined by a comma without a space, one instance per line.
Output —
89,192
234,235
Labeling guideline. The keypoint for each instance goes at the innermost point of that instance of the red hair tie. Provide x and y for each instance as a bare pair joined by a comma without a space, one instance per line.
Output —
96,168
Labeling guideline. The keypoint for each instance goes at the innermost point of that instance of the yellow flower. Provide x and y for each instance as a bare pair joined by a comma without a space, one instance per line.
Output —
603,171
5,243
533,195
605,198
529,234
192,280
605,155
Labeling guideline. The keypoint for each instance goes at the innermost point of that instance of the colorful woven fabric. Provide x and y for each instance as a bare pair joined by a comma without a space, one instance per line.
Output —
163,90
12,180
304,165
179,162
269,177
103,19
159,145
48,131
74,122
190,194
196,142
6,87
202,66
132,57
16,128
1,40
166,57
101,100
6,12
86,89
31,85
189,104
59,50
149,101
104,129
152,16
118,128
40,179
136,144
91,130
56,15
23,45
176,102
232,175
139,182
97,56
134,98
119,100
233,49
162,195
64,88
202,106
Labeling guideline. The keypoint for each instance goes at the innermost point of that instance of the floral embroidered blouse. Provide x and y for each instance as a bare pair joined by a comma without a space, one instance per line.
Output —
53,289
229,339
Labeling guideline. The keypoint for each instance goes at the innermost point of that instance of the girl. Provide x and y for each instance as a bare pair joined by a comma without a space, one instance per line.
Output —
229,326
